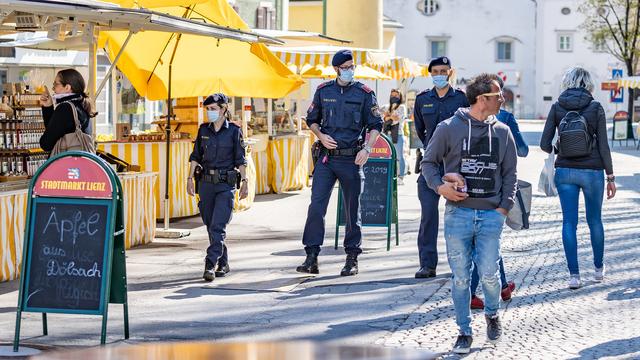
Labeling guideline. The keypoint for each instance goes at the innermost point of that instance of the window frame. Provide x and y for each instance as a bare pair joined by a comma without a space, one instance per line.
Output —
511,57
568,48
431,41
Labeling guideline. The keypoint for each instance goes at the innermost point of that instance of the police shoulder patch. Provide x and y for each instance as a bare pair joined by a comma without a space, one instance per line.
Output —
375,111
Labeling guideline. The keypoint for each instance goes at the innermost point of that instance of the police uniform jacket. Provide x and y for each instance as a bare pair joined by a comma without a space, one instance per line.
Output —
222,150
430,110
344,111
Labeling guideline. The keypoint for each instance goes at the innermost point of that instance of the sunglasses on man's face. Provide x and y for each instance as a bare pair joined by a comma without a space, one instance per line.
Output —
498,94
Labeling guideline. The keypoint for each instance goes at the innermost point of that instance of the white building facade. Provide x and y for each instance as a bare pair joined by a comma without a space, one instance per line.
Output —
529,43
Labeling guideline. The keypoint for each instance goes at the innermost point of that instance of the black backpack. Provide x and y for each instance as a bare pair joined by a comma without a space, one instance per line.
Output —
575,139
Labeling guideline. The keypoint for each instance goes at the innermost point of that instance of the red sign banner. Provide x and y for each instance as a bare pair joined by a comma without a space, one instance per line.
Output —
381,149
73,176
609,85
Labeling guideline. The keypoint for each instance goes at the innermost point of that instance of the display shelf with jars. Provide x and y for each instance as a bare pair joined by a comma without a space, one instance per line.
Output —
21,126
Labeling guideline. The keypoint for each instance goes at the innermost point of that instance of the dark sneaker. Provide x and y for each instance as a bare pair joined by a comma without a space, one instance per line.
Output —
425,272
222,270
463,344
477,303
209,274
494,328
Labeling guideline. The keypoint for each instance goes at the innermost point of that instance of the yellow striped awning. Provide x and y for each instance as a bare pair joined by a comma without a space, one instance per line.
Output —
632,82
322,55
402,68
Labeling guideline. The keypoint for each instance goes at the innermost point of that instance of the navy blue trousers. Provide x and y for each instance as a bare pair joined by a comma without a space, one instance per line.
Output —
428,232
216,208
351,177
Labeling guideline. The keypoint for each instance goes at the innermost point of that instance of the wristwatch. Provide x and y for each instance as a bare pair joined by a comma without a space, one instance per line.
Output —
611,178
367,149
243,180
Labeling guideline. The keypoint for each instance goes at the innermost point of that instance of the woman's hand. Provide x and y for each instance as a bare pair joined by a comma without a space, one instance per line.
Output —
45,98
244,190
191,188
611,190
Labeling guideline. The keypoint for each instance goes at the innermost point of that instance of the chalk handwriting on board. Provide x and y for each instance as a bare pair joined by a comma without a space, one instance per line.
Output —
75,226
67,262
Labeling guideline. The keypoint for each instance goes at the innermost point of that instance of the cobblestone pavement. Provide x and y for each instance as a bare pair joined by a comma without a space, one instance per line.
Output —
546,320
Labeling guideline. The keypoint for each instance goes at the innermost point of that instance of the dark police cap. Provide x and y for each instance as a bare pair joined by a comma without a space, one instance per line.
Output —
442,60
341,57
218,98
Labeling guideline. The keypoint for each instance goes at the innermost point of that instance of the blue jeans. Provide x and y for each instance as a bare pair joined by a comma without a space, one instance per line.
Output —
475,278
569,182
473,235
400,155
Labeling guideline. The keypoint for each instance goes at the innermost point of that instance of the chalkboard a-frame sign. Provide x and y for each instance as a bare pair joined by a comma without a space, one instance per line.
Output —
379,199
73,260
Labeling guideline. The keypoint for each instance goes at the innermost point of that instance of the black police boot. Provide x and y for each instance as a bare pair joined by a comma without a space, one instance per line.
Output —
350,266
310,264
222,269
209,273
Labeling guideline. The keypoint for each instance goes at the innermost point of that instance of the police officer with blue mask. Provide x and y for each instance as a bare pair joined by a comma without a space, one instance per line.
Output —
340,114
218,165
431,107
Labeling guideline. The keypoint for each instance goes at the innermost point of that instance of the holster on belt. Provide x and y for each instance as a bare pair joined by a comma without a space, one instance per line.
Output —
230,177
197,177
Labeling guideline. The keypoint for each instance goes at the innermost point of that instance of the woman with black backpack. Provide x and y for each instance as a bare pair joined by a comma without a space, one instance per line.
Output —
582,156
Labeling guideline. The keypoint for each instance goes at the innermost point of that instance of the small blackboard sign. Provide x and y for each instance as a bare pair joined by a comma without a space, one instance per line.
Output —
66,269
374,200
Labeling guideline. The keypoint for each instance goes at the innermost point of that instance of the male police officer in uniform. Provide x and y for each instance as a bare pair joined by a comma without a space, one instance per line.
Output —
341,111
431,107
218,150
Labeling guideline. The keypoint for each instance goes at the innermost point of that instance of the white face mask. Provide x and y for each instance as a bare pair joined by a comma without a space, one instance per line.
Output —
58,96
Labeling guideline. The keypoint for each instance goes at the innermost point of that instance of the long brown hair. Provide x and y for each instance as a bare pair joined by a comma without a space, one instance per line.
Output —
75,80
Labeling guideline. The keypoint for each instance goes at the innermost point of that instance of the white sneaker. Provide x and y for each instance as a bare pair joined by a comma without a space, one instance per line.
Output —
599,274
574,282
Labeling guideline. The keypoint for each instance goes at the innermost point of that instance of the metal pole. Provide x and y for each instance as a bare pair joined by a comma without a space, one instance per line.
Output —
324,17
168,135
113,65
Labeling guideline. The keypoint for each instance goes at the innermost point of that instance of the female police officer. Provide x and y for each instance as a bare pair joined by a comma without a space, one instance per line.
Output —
219,152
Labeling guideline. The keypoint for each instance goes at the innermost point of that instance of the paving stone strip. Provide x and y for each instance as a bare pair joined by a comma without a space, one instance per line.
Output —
545,319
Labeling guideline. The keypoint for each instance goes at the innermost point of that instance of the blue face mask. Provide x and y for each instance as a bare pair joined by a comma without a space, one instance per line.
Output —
440,81
213,115
347,75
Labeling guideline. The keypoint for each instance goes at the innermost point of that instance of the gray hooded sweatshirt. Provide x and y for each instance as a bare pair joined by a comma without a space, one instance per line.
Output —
484,153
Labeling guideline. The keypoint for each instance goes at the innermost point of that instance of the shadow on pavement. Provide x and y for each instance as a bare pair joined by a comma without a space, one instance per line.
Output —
612,349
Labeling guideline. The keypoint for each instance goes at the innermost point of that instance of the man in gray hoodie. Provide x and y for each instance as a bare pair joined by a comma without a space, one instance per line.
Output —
479,157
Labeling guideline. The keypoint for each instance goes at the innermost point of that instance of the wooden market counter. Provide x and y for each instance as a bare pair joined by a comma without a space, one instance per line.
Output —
139,219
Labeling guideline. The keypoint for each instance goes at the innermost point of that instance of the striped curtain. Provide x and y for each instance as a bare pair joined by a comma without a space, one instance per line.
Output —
13,209
289,163
151,156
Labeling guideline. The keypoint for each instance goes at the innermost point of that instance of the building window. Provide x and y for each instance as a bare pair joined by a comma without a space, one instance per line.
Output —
7,52
504,51
565,43
438,48
599,46
428,7
265,16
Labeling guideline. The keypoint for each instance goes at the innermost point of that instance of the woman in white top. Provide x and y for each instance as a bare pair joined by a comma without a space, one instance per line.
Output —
395,115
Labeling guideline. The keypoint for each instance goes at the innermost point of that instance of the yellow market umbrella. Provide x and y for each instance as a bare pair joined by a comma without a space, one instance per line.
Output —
167,66
362,72
200,65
